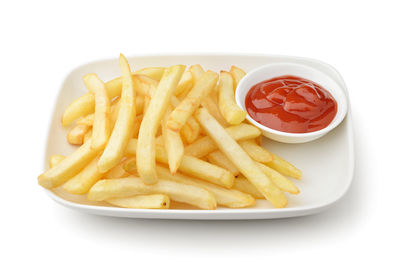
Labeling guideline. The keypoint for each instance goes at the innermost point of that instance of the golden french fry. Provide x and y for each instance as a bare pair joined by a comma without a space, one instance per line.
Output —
185,84
84,180
205,145
190,130
185,109
68,167
219,159
85,104
55,160
212,106
224,197
117,172
232,113
241,159
122,131
151,121
243,185
173,144
101,124
131,186
258,153
75,135
139,105
279,180
190,166
114,113
136,127
156,201
87,136
197,72
284,167
237,75
86,120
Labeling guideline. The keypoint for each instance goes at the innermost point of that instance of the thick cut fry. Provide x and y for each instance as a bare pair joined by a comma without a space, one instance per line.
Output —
156,201
191,166
197,72
219,159
131,186
185,109
205,145
123,128
85,104
76,135
151,121
190,130
243,185
279,180
55,160
84,180
237,75
232,113
173,144
225,197
212,106
185,84
284,167
101,124
241,160
68,167
258,153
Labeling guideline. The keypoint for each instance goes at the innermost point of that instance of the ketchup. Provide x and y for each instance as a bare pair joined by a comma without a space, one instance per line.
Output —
291,104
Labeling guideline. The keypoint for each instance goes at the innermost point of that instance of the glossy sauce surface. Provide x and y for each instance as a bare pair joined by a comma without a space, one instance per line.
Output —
291,104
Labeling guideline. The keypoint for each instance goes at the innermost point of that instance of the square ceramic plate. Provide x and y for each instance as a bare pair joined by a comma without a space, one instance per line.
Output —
327,163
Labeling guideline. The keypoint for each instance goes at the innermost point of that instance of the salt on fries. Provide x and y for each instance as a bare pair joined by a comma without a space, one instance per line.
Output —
161,135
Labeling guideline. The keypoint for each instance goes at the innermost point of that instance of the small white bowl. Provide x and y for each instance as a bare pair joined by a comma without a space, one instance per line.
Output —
273,70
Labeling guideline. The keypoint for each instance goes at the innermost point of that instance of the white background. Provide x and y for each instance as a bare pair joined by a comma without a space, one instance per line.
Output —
42,41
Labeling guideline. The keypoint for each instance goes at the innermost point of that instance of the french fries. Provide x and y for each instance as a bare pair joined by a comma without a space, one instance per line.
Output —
232,113
101,122
130,186
185,109
237,75
240,158
162,134
68,167
122,131
156,201
76,135
151,120
206,145
258,153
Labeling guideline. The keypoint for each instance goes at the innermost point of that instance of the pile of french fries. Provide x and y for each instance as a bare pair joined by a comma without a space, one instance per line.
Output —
166,134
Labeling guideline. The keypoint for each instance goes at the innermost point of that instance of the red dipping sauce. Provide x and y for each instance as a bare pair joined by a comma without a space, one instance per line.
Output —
291,104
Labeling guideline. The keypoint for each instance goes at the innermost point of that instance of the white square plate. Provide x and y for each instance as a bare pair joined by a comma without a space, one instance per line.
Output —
327,163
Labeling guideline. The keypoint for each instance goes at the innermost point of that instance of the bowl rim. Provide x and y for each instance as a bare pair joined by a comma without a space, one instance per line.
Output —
341,103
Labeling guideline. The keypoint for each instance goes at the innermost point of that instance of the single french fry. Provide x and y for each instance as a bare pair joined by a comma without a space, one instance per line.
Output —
190,166
55,160
139,103
151,121
123,127
258,153
86,120
155,201
205,145
284,167
68,167
136,127
279,180
75,135
185,84
85,104
232,113
173,144
101,124
190,130
84,180
241,159
130,186
224,197
243,185
87,136
237,75
219,159
197,72
185,109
